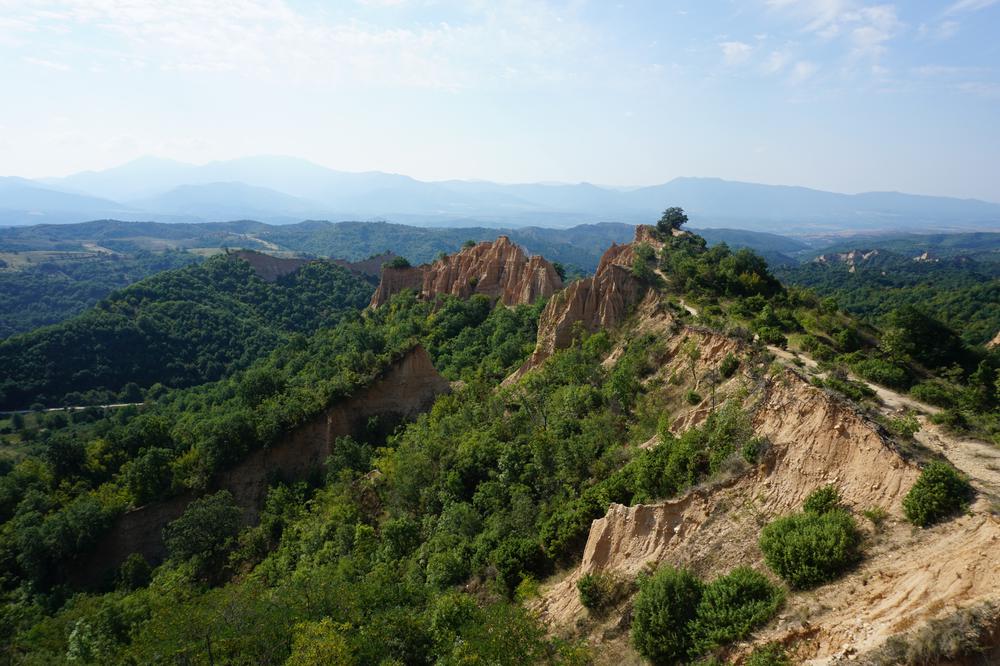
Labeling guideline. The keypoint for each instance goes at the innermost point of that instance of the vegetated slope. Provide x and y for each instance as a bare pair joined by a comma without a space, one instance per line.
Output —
870,283
177,328
58,287
674,428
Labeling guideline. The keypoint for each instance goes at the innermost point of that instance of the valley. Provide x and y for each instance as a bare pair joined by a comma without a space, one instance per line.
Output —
663,412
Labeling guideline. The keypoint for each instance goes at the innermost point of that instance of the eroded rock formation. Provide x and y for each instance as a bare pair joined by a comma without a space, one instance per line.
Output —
269,267
907,576
406,388
498,269
599,302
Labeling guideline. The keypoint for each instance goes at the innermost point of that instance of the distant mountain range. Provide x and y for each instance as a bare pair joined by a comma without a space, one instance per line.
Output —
285,189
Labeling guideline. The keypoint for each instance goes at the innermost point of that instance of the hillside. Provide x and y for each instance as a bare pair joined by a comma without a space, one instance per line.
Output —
178,328
676,458
872,282
42,288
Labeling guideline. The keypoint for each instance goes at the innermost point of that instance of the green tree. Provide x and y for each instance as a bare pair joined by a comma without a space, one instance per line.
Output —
666,605
205,530
672,218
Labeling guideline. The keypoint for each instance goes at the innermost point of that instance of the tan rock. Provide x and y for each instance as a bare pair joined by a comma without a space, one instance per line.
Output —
595,303
498,269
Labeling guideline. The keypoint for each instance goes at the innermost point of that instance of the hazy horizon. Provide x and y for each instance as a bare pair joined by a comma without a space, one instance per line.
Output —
835,95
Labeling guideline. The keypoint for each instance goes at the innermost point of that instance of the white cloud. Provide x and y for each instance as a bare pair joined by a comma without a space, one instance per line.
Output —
270,38
735,53
802,70
981,89
867,28
776,61
969,6
47,64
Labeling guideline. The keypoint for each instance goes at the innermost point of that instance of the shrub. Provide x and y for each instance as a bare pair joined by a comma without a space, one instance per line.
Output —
732,606
936,392
769,654
134,573
601,590
877,515
692,397
666,604
770,335
905,426
939,492
753,448
729,365
398,262
810,549
822,500
883,372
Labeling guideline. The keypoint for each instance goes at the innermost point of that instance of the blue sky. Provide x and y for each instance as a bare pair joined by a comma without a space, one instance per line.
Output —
835,94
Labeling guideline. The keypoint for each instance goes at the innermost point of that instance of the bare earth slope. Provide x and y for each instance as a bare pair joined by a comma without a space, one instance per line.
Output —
908,575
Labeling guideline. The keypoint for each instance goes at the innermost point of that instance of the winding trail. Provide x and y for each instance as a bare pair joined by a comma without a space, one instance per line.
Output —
976,458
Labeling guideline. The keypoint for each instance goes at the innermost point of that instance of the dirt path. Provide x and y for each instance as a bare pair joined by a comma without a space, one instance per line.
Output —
979,460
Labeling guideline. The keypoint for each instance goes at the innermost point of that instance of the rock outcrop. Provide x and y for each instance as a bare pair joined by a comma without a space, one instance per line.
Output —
498,269
906,578
269,267
995,342
599,302
408,387
370,267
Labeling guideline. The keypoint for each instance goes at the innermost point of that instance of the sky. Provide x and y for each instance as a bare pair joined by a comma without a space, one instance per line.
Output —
843,95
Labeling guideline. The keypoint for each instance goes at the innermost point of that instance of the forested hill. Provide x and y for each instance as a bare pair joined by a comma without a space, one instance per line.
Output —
177,328
960,291
57,287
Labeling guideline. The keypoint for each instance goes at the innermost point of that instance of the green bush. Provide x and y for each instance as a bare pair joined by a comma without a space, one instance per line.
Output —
770,335
769,654
601,590
134,572
883,372
822,500
692,397
666,605
940,491
936,392
730,363
810,549
731,607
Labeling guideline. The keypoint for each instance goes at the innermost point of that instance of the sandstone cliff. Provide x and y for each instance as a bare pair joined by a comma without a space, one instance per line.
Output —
995,342
269,267
498,269
907,577
406,388
599,302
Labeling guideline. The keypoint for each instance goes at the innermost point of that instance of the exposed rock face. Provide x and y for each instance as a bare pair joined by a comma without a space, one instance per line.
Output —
852,258
407,388
370,267
498,269
907,576
595,303
269,267
995,342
